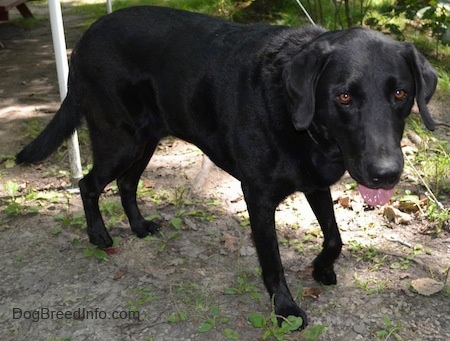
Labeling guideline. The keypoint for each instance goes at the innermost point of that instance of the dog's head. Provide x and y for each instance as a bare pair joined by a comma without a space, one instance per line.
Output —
356,87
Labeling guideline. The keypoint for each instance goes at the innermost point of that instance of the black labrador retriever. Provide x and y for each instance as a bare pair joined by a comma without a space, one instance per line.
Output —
280,109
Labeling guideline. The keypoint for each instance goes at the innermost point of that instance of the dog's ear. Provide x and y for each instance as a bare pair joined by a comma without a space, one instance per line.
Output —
426,79
300,80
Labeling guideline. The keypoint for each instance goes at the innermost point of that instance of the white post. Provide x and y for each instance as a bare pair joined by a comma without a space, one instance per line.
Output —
62,69
108,6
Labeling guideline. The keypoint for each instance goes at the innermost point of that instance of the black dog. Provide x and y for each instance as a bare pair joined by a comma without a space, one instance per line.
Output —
280,109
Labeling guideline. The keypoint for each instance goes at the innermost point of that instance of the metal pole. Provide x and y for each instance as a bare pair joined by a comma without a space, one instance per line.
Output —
108,6
62,69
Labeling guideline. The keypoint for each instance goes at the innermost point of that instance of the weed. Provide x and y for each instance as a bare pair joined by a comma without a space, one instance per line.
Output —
98,254
180,197
163,239
355,246
202,215
9,161
272,328
296,244
56,230
402,263
231,334
244,287
370,286
177,220
142,296
113,211
178,316
446,291
390,331
440,216
244,219
191,302
435,162
367,254
213,319
33,127
75,219
15,205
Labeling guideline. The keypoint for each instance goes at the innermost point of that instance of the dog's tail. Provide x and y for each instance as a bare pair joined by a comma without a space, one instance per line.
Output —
62,126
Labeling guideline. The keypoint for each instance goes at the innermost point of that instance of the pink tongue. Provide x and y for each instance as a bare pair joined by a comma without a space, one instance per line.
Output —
375,197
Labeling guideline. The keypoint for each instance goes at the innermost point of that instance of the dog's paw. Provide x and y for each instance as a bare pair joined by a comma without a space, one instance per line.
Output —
100,238
326,276
292,309
144,228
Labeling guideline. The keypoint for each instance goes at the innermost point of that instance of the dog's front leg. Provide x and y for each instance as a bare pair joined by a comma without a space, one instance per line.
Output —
322,206
261,208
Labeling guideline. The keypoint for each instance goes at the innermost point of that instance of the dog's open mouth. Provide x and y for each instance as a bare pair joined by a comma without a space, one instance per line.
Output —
375,196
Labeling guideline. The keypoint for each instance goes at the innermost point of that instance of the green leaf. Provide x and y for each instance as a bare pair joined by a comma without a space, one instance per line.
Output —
100,255
205,327
313,332
153,216
231,334
9,163
176,222
398,337
88,252
292,323
116,241
56,230
11,187
267,334
257,320
214,311
178,317
231,291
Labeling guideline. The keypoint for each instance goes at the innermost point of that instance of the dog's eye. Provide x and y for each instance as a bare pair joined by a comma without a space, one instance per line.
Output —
344,98
399,95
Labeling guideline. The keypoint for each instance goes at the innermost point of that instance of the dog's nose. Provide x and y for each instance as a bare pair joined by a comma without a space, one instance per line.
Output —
385,174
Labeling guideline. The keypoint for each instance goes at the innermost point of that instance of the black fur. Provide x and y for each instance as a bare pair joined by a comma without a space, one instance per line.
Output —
263,102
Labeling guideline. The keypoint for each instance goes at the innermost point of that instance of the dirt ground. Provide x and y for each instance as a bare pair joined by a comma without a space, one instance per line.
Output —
202,269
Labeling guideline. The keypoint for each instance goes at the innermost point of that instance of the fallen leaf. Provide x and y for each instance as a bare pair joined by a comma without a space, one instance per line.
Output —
312,292
427,286
397,216
119,274
230,241
112,250
344,201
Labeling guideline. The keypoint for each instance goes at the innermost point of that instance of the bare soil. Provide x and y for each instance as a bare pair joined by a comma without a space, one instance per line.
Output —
51,288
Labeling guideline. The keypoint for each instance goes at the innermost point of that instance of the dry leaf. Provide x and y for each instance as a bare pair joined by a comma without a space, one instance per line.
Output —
427,286
230,242
397,216
344,201
119,274
312,292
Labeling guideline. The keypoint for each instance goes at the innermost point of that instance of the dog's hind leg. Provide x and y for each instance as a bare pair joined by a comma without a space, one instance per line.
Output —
128,183
116,153
322,206
91,186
